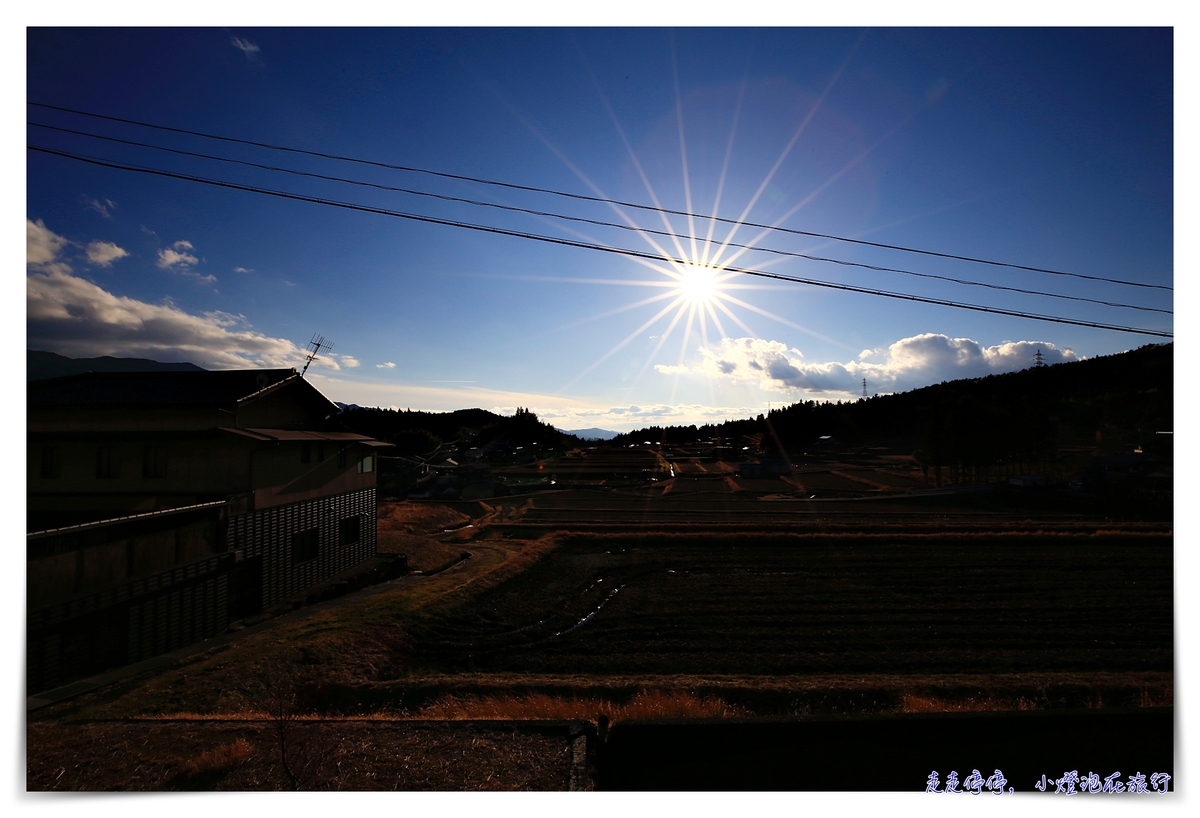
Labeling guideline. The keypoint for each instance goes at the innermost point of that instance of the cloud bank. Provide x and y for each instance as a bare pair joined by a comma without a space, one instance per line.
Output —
43,248
909,363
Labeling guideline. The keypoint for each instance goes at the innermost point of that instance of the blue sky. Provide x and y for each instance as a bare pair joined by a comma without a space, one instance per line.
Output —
1050,148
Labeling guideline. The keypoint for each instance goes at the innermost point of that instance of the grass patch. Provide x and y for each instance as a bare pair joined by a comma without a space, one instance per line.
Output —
220,759
646,704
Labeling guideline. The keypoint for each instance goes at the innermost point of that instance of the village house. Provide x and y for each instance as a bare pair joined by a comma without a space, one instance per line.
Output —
162,506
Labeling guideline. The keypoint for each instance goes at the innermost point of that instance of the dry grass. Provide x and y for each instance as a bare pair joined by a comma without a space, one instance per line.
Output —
647,704
263,716
910,703
413,528
493,569
225,757
419,518
899,535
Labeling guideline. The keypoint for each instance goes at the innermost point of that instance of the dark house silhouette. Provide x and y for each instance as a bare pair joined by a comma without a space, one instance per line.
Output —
162,506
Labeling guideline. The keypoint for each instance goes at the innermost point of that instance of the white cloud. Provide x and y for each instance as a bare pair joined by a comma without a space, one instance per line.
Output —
388,365
178,259
672,369
349,361
104,208
909,363
104,253
243,270
43,248
176,256
74,317
245,46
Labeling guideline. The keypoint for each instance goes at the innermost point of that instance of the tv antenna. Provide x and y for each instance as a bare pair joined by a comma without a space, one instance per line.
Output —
317,343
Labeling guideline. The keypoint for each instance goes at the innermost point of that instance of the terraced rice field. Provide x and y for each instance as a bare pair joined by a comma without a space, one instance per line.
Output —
798,604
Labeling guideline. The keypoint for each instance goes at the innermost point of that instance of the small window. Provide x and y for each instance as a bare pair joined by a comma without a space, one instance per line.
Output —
305,452
306,545
348,530
108,462
341,459
51,462
366,464
154,462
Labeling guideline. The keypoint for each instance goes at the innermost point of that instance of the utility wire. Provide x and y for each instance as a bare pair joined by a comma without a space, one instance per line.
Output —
596,222
587,245
583,197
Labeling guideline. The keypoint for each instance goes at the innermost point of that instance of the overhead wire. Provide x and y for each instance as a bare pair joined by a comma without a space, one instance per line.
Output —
630,253
584,197
595,222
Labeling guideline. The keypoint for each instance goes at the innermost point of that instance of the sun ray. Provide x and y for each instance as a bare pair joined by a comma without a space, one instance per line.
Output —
735,319
630,282
808,199
687,185
737,112
591,239
651,265
787,149
687,334
622,345
633,156
583,177
747,305
703,322
716,320
618,310
661,340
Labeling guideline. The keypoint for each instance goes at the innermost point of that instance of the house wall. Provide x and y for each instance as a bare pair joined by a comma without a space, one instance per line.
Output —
280,476
268,534
110,595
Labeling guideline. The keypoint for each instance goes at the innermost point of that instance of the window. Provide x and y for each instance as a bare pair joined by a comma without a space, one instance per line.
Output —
51,463
348,530
341,460
108,462
154,461
305,452
366,464
306,545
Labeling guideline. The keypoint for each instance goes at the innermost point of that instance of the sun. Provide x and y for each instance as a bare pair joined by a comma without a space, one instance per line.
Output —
698,284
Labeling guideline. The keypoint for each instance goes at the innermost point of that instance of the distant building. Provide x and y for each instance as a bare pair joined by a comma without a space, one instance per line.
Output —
164,505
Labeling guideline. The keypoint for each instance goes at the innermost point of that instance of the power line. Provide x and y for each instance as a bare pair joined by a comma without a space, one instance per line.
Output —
586,198
590,246
595,222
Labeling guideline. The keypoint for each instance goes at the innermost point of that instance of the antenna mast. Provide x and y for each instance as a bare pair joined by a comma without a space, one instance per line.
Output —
1037,359
317,343
864,387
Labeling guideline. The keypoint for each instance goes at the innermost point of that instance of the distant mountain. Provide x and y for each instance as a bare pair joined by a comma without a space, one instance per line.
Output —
41,365
591,434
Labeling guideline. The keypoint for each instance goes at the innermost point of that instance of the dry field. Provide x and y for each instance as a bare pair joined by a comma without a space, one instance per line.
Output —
579,603
820,604
326,755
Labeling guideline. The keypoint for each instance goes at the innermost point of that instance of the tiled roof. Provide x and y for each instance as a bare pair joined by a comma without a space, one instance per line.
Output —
203,388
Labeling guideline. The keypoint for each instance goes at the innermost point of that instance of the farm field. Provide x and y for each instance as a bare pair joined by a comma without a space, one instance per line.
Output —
241,755
639,603
818,604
